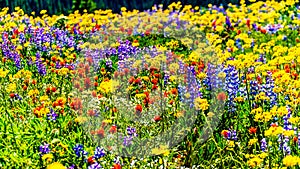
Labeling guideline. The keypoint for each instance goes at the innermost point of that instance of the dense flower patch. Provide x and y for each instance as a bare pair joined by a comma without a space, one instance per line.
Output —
83,90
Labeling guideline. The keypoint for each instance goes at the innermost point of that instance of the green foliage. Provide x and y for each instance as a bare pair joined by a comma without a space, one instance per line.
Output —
82,5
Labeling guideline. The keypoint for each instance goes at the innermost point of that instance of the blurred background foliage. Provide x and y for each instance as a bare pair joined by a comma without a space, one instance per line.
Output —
67,6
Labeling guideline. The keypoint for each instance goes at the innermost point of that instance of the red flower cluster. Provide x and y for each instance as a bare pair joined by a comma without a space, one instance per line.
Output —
76,104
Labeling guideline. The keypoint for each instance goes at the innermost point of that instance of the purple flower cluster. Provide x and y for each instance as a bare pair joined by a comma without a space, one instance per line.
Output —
39,64
131,133
273,28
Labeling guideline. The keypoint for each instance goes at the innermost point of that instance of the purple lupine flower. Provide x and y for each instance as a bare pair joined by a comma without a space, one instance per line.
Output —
263,145
268,89
72,167
228,23
44,149
280,142
286,147
238,43
166,78
17,96
212,80
131,131
99,152
254,88
255,26
17,60
127,140
181,90
298,140
40,66
22,38
95,165
108,63
79,151
231,86
52,115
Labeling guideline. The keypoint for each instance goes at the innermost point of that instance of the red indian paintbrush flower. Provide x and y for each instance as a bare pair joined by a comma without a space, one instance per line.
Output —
117,166
113,129
221,96
252,130
138,108
157,118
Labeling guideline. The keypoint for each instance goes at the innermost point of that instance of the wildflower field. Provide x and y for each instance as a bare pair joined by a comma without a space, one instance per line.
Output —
185,87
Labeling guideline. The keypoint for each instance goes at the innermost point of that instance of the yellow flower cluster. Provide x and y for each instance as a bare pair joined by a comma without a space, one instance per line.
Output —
109,86
291,161
201,104
161,150
3,72
256,160
26,74
56,165
63,71
42,112
274,131
33,92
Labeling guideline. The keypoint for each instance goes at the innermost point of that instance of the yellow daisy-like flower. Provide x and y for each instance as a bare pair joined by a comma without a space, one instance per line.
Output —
161,150
201,104
63,71
11,87
294,120
43,12
47,157
107,86
290,160
140,96
56,165
201,75
3,73
179,114
80,119
252,141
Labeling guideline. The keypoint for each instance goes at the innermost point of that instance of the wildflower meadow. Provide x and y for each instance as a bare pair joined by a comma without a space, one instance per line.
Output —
183,87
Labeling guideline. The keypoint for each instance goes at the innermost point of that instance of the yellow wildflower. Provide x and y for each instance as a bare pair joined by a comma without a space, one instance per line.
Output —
56,165
47,157
161,150
290,160
63,71
3,73
201,104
